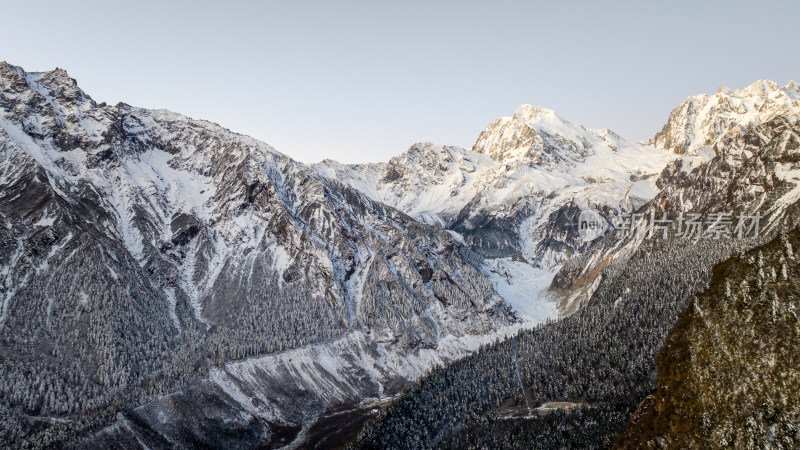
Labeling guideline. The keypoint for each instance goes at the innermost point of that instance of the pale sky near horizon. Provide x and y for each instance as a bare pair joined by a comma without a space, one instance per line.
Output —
362,81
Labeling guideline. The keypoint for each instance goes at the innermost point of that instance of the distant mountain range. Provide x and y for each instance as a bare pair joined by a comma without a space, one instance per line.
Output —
167,282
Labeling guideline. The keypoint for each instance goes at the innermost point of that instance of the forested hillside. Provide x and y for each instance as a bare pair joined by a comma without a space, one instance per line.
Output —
603,357
729,372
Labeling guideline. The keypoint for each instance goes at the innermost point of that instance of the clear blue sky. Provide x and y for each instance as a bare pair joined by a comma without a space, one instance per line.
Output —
362,81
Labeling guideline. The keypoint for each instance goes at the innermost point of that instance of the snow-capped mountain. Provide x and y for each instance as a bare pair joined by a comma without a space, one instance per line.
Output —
147,254
701,121
633,289
739,155
519,190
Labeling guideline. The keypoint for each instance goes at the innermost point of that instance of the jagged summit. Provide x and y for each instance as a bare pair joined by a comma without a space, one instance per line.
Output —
55,76
701,120
515,137
528,113
72,119
7,65
539,136
759,88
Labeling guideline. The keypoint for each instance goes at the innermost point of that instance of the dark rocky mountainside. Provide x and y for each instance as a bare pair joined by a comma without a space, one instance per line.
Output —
143,253
728,374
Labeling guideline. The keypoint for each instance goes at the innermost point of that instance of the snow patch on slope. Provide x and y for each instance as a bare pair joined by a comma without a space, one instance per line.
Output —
524,288
786,173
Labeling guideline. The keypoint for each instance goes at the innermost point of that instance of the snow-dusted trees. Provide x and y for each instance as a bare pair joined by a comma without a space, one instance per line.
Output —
727,382
602,356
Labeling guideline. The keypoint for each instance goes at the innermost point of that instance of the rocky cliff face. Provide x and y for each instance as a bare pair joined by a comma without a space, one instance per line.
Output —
142,249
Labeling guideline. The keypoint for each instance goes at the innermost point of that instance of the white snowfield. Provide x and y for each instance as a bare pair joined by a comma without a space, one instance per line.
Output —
524,288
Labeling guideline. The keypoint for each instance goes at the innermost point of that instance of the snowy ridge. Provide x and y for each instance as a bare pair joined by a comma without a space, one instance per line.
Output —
427,181
524,287
702,120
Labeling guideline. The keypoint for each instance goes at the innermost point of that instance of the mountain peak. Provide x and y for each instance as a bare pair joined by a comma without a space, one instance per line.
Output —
6,67
55,74
758,89
528,113
56,77
762,87
701,120
534,136
56,82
